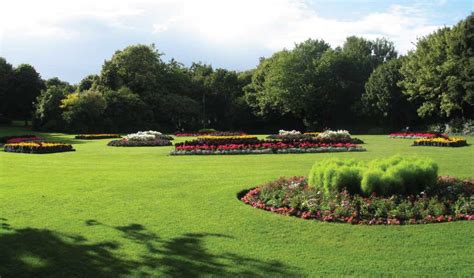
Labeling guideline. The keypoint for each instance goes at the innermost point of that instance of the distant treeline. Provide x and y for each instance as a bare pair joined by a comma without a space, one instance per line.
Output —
362,85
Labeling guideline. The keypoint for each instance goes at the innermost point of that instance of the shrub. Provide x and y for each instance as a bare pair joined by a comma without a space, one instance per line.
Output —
394,175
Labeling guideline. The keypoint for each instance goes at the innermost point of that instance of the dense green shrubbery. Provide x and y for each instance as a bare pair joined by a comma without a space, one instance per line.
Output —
393,175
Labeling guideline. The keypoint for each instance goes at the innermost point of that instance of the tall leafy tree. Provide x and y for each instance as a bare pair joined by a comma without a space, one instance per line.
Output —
26,87
6,78
438,75
48,113
383,99
87,82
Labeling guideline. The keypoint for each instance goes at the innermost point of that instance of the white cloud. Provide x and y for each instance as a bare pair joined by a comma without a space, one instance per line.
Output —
270,24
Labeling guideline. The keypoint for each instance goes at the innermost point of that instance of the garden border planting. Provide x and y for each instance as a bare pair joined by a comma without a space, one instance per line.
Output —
38,147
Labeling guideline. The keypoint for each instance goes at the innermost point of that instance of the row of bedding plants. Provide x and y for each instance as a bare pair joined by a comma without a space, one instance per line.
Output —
5,139
97,136
396,190
209,133
441,142
37,147
247,144
338,136
143,139
416,135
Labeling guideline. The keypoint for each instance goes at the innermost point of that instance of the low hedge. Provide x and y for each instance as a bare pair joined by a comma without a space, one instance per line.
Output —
393,175
133,143
96,136
38,147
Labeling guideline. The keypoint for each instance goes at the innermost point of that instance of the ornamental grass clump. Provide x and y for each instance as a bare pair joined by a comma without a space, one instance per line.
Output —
385,177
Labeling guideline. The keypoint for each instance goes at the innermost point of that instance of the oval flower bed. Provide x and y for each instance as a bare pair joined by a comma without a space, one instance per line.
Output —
37,147
443,200
221,145
143,139
441,142
96,136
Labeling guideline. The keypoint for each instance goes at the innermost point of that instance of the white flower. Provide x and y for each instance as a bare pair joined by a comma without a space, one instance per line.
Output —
143,135
335,135
288,132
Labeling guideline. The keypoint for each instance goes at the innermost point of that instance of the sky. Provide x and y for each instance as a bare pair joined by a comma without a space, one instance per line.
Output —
70,39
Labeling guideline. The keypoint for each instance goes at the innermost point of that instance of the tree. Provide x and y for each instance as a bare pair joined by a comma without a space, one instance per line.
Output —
383,99
84,112
125,111
439,75
87,82
6,78
48,113
26,87
59,83
137,67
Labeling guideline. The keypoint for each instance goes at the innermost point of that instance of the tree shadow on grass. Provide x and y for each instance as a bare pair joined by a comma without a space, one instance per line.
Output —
30,252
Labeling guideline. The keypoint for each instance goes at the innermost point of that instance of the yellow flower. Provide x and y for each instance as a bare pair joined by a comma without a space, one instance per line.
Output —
227,137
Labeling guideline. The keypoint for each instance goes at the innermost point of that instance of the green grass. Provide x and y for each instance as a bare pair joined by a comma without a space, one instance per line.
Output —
111,211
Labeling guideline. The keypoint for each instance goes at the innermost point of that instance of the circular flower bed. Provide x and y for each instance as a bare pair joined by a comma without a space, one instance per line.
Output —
96,136
37,147
392,191
449,200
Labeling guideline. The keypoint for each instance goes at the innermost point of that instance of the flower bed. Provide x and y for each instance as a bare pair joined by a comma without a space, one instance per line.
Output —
264,147
141,143
143,139
4,139
448,199
416,135
147,136
291,137
209,133
37,147
328,136
96,136
248,144
24,139
441,142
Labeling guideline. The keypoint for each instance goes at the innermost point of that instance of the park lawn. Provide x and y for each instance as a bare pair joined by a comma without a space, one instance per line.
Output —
109,211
